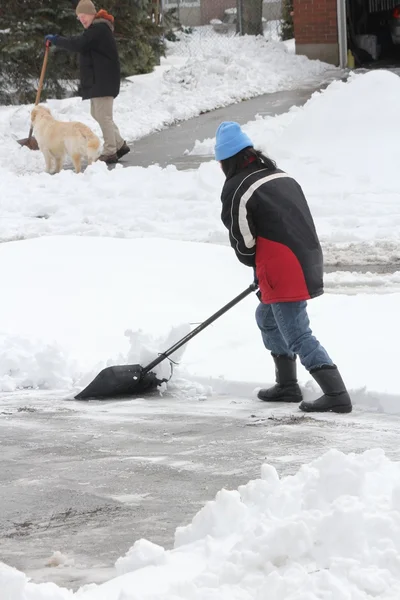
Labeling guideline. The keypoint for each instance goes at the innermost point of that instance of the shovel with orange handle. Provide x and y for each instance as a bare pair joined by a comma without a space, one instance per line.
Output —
31,142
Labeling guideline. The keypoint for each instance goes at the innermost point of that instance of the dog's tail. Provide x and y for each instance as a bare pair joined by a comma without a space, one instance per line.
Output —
92,143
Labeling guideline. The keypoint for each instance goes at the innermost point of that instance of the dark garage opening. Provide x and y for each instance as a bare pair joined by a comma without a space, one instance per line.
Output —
373,28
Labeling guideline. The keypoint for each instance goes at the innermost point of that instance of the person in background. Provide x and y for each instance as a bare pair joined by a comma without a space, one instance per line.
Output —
100,72
271,230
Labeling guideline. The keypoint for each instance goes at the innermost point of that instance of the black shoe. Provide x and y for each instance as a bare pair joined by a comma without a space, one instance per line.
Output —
123,150
109,159
286,389
335,399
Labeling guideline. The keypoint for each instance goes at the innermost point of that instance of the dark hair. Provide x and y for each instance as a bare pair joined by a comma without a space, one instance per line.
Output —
244,158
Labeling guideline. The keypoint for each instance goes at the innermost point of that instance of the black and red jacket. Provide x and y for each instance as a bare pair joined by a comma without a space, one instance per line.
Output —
271,228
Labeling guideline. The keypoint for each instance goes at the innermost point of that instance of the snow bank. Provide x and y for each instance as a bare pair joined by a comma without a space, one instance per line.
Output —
343,148
72,305
57,285
142,554
332,530
236,68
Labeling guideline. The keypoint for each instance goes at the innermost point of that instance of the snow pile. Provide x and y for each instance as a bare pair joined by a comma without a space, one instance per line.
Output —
28,362
230,69
291,537
332,530
142,554
73,305
66,323
343,148
346,282
352,125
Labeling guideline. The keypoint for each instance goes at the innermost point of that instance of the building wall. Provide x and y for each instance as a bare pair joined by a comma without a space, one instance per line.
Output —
316,30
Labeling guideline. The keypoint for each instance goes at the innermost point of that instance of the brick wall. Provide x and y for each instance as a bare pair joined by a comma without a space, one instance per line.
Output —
214,9
315,21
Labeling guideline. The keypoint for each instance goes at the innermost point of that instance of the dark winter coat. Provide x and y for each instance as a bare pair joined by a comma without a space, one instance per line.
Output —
271,228
99,60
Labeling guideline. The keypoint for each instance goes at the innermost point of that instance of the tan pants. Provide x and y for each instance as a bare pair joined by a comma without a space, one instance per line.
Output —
101,110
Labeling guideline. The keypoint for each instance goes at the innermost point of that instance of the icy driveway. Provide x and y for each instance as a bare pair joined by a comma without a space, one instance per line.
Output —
89,479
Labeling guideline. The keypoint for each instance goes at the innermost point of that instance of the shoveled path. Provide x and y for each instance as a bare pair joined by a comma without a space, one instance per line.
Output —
169,145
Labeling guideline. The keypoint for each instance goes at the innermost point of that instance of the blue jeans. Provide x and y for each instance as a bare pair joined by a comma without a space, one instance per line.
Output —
285,330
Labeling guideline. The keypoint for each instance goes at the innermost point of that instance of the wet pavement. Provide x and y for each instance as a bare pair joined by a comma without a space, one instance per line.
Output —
169,145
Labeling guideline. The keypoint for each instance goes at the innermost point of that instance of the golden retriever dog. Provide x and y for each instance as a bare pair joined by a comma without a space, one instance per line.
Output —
58,138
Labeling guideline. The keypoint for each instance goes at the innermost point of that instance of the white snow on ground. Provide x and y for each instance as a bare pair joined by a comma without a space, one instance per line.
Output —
72,305
350,181
330,531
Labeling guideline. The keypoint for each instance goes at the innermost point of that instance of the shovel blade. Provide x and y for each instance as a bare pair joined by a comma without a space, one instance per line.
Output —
124,380
29,142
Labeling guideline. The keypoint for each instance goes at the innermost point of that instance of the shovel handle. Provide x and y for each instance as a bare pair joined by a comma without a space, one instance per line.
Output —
43,72
252,288
41,80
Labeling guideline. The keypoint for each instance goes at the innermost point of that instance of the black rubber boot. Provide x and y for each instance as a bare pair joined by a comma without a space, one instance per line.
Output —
335,399
286,388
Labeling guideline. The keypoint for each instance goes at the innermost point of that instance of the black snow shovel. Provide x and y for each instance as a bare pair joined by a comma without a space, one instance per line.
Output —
134,380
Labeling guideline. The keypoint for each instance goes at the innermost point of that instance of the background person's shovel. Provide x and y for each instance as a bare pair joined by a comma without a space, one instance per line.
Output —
31,142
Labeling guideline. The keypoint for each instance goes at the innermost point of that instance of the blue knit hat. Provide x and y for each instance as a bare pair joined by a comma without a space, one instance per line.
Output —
230,140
